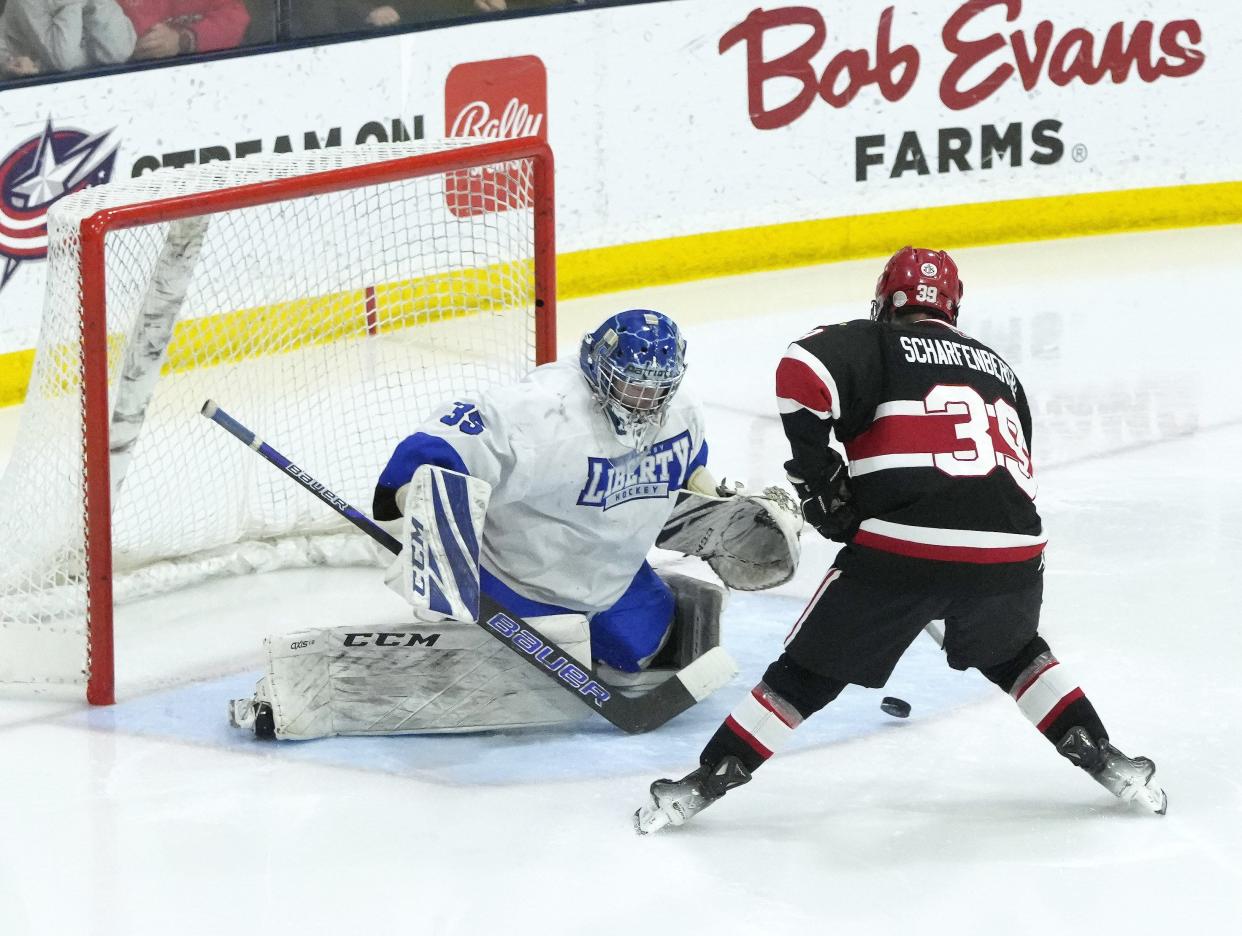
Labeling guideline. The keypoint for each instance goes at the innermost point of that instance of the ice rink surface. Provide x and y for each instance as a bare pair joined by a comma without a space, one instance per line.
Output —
152,817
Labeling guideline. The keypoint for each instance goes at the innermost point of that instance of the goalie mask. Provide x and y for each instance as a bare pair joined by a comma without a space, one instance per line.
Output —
634,363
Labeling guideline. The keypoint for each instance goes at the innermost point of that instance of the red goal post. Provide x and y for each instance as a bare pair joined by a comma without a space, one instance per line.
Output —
484,186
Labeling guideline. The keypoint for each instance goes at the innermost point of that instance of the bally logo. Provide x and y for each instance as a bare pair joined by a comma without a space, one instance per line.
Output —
499,99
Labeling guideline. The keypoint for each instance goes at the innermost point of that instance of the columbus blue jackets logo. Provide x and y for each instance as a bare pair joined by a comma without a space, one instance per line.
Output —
37,174
657,472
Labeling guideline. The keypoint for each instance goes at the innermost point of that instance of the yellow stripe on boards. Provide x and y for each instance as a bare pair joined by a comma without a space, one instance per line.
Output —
215,339
803,243
218,339
233,336
15,370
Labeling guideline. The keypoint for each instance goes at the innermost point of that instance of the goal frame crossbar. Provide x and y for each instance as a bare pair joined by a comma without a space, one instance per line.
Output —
96,415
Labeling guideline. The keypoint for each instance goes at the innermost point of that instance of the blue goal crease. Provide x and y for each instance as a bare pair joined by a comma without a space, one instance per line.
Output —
583,750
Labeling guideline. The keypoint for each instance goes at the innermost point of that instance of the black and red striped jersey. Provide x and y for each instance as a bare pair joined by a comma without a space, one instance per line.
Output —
937,431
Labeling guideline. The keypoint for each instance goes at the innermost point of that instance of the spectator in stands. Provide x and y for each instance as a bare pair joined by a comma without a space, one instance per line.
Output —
38,36
182,27
263,19
326,17
383,13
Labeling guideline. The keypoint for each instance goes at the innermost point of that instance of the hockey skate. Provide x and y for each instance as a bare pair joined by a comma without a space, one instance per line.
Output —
1130,779
254,716
673,802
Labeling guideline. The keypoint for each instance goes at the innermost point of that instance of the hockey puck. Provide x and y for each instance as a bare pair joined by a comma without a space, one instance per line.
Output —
898,708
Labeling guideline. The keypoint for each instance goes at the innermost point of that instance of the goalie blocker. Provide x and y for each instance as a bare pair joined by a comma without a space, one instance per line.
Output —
437,570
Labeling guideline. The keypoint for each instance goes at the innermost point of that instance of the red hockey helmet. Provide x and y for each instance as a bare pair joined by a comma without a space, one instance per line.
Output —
915,276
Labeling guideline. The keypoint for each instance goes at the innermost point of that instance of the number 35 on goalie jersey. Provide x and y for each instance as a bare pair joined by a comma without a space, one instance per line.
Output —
936,427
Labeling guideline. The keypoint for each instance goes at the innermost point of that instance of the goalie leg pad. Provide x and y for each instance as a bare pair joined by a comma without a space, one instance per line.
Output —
749,540
415,679
696,621
437,570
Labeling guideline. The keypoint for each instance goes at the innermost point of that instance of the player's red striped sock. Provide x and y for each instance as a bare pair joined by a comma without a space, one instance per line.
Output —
759,726
1053,701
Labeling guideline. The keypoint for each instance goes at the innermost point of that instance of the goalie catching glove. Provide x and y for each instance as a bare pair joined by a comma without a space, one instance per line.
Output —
827,502
749,540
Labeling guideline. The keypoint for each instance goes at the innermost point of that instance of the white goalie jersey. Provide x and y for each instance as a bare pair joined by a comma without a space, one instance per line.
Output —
573,510
528,489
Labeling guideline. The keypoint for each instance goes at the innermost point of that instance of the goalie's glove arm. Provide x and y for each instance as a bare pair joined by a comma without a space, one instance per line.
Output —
702,481
820,476
412,453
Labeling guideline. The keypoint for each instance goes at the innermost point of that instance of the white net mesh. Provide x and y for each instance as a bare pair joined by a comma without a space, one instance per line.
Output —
330,324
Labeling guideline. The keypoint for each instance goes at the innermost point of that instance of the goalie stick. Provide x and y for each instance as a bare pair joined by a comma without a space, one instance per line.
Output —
683,689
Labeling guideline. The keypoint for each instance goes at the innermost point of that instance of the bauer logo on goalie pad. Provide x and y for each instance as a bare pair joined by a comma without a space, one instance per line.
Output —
656,473
565,669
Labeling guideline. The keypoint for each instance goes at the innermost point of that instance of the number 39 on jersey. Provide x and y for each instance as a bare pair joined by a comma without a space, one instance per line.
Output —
993,432
953,429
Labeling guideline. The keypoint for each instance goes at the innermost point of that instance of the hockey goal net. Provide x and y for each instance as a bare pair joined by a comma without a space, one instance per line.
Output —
329,299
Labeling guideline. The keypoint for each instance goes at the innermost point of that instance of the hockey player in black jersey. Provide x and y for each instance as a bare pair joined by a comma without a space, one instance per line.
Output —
935,506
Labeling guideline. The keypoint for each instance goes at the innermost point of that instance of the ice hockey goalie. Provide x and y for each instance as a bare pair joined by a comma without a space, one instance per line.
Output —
547,496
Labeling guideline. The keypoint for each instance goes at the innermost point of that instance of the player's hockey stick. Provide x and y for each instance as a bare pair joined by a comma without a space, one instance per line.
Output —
679,692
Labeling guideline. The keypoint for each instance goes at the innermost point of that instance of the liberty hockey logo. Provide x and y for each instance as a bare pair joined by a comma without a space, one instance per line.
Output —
499,99
38,173
656,473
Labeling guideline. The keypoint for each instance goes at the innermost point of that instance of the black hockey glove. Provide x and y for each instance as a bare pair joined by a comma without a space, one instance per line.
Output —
828,503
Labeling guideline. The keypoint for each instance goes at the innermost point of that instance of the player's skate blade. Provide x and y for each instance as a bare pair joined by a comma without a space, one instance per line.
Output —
255,717
673,802
1130,779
